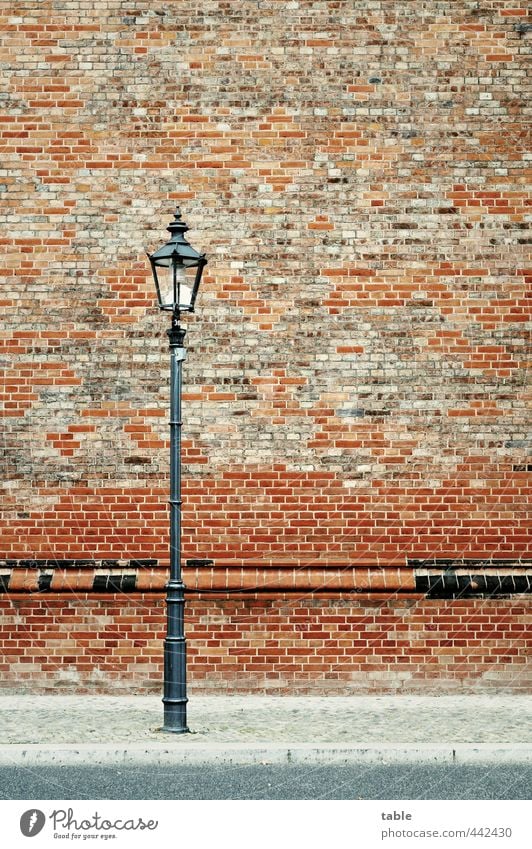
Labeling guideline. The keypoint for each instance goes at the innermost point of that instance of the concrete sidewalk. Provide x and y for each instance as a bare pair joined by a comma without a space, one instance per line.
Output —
97,730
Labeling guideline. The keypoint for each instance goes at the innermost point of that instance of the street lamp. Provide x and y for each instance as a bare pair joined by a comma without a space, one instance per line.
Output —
177,270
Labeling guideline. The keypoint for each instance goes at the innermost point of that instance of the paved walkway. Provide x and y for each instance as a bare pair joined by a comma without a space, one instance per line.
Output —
67,729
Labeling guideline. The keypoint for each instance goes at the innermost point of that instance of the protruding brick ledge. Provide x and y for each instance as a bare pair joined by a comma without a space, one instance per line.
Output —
435,579
129,576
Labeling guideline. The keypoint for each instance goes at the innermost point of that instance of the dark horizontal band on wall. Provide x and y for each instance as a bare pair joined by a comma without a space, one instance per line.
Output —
429,563
450,564
451,585
78,564
476,578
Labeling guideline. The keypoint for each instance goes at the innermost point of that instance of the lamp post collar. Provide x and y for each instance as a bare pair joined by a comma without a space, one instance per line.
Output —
176,335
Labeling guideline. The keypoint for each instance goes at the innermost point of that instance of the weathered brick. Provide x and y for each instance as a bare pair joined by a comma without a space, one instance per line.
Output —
354,390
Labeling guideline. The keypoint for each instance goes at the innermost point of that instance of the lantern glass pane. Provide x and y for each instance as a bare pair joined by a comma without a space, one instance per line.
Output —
176,289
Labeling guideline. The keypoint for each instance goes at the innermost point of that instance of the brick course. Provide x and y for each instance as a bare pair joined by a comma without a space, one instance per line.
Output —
355,390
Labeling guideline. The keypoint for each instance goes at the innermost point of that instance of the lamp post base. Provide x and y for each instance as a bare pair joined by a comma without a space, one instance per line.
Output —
175,677
175,719
175,715
165,730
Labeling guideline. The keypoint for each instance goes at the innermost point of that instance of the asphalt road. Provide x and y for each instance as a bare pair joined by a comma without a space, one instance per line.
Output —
268,782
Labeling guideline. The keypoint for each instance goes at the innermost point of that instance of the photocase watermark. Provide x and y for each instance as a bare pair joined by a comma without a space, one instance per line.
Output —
32,822
67,825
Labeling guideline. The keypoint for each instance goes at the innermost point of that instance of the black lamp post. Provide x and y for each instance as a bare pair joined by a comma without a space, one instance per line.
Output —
177,270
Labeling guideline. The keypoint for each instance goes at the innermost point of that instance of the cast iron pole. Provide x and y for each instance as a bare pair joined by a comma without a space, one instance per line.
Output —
175,648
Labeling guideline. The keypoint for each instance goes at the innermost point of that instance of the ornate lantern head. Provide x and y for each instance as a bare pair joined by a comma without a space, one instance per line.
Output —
177,268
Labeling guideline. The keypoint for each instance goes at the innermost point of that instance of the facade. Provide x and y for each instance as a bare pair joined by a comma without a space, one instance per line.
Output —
355,475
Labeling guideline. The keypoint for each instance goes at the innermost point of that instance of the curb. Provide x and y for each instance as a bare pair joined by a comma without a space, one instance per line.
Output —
104,754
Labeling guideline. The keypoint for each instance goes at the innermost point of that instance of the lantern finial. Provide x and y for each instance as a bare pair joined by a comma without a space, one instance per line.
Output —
177,225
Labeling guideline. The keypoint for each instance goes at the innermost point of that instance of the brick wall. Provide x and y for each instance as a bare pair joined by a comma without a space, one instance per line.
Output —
355,388
278,644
